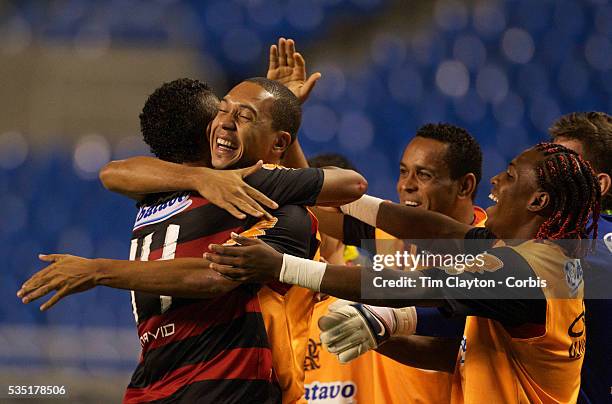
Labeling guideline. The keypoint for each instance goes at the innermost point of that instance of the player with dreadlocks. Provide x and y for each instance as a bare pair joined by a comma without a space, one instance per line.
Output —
570,195
519,345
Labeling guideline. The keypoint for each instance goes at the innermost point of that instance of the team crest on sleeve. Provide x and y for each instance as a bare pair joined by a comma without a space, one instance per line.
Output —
573,275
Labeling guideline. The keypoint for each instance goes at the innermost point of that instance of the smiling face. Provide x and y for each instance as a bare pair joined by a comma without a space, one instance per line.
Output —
517,197
424,179
241,133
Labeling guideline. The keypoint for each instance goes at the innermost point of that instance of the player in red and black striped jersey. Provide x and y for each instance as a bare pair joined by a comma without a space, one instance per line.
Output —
194,350
216,348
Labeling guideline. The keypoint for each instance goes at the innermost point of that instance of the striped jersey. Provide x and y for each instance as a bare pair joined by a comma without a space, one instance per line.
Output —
213,350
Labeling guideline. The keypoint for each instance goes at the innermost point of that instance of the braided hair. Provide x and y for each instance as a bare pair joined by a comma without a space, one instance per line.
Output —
575,195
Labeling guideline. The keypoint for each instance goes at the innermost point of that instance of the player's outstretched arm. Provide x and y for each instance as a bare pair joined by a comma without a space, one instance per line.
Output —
341,186
254,261
68,274
405,222
349,330
401,221
138,176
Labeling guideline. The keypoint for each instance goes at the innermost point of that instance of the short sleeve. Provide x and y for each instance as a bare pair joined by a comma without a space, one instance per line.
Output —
287,185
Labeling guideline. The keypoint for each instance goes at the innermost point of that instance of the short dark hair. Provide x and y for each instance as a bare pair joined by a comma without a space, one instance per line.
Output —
174,119
594,131
463,155
286,111
331,160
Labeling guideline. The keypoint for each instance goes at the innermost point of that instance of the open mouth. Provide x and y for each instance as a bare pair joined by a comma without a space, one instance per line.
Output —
412,203
493,197
226,145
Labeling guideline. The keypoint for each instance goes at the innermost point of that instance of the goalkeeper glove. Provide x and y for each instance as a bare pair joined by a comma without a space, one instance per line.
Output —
352,329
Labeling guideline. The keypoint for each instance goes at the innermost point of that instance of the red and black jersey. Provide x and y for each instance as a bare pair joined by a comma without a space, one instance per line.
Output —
213,350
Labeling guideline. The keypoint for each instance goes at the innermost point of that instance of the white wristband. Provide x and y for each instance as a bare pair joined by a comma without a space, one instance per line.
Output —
364,209
406,321
302,272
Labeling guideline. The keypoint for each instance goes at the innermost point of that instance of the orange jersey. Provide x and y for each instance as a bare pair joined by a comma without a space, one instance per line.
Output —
498,367
372,378
287,319
287,311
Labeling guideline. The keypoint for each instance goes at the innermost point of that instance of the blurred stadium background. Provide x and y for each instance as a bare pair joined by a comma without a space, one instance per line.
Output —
74,75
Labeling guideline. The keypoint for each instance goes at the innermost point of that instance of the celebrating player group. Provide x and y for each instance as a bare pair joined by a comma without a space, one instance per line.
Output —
251,267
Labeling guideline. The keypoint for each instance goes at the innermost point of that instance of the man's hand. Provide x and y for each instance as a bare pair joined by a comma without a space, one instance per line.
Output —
67,274
350,329
251,261
139,176
227,190
289,68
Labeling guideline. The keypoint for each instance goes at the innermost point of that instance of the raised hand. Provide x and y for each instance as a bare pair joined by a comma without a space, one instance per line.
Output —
289,68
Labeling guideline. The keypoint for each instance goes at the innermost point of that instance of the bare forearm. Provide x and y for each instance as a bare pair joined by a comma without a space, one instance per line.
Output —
340,187
182,277
348,283
433,353
147,175
405,222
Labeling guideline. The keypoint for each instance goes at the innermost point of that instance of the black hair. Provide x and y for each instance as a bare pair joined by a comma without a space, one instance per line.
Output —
594,132
574,195
286,110
463,156
331,160
174,119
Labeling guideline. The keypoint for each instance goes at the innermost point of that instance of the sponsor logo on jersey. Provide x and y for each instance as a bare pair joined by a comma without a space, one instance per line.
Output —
573,275
163,210
332,392
163,331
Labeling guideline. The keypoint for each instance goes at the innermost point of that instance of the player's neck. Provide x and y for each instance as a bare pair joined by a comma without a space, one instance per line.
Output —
464,213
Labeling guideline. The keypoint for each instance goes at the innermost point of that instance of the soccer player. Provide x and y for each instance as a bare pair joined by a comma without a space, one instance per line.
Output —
590,134
439,171
325,378
216,349
524,348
